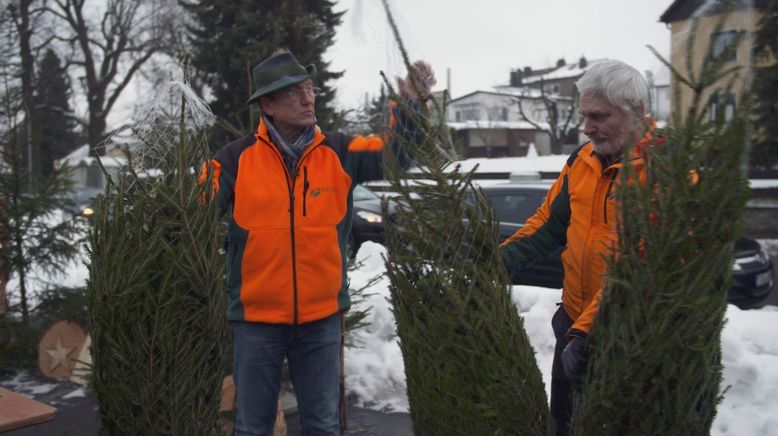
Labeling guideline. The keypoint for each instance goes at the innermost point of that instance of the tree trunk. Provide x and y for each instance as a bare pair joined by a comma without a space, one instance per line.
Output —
96,127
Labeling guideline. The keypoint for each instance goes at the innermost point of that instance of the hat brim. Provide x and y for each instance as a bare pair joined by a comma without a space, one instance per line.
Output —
283,82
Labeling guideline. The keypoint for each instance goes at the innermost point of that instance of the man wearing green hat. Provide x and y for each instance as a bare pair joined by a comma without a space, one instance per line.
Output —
289,187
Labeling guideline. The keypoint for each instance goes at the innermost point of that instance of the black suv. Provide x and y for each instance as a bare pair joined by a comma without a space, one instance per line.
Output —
514,203
367,224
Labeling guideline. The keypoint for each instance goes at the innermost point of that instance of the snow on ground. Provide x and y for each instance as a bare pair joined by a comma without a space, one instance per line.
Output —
374,370
20,384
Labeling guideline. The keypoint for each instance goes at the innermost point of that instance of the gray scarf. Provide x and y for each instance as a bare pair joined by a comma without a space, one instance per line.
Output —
291,150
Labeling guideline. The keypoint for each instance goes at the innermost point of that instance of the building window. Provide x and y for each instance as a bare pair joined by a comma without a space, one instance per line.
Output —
551,89
458,116
723,46
471,112
721,107
504,114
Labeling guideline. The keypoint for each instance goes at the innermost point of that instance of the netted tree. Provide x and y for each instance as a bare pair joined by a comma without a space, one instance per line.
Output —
156,284
469,365
655,348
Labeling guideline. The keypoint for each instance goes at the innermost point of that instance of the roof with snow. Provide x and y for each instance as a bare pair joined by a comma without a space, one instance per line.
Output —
80,156
564,72
502,91
681,10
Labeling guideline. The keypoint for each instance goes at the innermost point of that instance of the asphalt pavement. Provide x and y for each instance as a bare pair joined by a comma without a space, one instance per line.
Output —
77,411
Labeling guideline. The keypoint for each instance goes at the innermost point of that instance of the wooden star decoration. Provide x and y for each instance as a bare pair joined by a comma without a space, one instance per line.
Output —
59,355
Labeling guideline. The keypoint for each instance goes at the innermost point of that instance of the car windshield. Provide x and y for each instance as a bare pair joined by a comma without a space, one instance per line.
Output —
361,194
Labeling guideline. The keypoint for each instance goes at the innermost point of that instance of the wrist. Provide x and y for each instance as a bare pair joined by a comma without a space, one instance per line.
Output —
575,334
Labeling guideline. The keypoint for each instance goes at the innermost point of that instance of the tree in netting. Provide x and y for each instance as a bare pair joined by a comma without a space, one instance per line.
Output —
156,288
469,365
655,348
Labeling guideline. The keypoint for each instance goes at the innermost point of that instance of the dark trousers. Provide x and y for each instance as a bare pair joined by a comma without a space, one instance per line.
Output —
313,353
561,390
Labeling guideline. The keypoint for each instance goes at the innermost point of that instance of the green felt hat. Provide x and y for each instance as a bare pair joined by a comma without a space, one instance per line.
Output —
276,72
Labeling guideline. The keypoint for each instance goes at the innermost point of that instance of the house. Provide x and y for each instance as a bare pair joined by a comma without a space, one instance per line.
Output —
86,174
739,16
488,124
559,80
505,121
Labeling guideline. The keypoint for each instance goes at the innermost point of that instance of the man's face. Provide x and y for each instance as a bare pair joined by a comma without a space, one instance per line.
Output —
292,107
607,126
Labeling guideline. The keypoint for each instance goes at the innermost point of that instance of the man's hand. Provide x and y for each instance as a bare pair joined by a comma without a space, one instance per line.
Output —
575,357
424,79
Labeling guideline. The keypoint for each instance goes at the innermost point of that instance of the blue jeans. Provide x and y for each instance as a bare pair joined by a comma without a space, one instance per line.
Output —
313,353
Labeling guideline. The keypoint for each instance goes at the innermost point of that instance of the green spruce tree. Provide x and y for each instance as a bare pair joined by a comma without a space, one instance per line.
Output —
765,148
469,366
655,349
156,289
37,242
54,135
228,38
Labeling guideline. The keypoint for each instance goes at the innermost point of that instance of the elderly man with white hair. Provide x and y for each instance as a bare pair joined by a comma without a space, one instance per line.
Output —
579,215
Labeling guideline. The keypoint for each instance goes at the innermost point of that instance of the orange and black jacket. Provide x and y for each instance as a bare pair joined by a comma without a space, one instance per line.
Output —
286,250
578,214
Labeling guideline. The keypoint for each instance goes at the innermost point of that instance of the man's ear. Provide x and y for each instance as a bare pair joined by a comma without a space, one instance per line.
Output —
265,106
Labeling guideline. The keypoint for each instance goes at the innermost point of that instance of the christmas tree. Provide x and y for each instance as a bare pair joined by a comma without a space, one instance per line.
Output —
469,365
655,348
156,284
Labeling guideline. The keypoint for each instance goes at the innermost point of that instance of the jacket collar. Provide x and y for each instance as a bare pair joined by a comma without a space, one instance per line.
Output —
263,135
638,154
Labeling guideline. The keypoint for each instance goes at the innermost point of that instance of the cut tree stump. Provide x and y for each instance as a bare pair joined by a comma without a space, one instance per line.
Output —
59,348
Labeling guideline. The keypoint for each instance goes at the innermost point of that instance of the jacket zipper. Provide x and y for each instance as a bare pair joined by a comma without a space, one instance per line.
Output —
290,182
306,185
605,203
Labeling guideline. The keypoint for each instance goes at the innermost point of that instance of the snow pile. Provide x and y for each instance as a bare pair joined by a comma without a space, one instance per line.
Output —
374,370
375,374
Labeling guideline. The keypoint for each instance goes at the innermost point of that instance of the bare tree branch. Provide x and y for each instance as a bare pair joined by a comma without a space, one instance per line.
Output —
109,51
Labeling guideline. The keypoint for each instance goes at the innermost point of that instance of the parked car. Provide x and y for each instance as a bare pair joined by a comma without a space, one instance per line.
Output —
368,223
514,203
79,203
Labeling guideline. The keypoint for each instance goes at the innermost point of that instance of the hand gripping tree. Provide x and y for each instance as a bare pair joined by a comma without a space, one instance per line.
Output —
156,280
469,365
655,349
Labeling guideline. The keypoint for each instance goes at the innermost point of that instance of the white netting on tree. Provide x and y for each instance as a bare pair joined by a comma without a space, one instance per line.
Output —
172,112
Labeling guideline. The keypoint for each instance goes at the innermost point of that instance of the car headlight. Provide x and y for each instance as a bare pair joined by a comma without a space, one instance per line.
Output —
760,257
370,216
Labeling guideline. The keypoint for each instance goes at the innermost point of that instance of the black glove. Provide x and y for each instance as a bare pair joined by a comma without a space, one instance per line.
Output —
575,356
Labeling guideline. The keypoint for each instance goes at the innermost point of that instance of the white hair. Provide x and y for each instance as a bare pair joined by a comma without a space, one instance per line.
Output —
617,83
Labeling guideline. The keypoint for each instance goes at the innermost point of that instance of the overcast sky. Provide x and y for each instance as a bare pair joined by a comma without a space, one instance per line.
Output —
481,41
